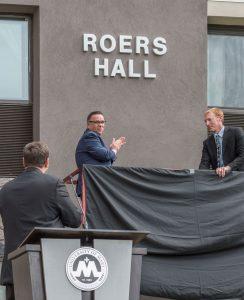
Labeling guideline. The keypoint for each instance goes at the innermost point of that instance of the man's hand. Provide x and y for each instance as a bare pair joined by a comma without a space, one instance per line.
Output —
223,171
117,144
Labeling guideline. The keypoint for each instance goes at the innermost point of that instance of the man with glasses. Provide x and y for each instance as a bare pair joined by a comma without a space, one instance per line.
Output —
91,148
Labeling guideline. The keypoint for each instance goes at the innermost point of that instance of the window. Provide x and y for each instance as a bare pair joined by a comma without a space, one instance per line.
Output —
16,119
14,59
226,67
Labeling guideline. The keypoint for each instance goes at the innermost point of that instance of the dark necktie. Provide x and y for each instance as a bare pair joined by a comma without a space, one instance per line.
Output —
219,151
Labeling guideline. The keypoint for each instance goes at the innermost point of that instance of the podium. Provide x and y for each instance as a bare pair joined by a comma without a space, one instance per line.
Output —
77,264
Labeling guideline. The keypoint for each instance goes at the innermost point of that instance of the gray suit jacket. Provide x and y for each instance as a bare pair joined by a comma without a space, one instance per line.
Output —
33,199
233,150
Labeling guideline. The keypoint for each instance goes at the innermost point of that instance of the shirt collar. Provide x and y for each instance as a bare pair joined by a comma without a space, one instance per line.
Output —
88,130
221,132
32,168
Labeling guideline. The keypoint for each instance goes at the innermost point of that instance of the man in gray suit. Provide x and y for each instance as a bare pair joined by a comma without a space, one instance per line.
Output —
33,199
223,150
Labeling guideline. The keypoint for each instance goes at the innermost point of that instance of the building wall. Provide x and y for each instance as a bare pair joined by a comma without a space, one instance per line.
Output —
227,12
161,118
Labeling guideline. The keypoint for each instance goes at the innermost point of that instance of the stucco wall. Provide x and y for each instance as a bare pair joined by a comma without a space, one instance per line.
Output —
228,8
161,118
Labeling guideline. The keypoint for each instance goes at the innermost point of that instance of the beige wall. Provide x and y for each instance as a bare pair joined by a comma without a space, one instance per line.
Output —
226,12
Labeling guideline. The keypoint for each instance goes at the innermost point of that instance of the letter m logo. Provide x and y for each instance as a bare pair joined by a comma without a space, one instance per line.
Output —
86,269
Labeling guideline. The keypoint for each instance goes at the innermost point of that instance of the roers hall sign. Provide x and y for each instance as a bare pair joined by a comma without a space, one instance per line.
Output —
127,45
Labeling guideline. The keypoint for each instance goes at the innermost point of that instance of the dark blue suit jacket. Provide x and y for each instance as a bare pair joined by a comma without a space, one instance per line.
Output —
92,150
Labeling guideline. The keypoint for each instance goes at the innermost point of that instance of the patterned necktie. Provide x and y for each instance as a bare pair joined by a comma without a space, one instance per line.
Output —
219,151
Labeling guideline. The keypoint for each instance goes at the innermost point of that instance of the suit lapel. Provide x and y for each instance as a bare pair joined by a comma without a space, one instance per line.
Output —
98,135
102,142
213,146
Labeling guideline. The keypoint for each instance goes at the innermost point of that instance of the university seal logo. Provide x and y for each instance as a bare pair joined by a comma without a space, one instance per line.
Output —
87,269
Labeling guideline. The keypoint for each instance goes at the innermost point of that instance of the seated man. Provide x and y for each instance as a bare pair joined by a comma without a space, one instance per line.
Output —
33,199
91,148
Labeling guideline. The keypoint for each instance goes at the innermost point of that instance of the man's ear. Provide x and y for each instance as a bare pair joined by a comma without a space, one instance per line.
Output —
23,161
46,164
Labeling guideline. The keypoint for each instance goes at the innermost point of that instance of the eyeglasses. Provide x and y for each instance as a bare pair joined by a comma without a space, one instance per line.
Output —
97,122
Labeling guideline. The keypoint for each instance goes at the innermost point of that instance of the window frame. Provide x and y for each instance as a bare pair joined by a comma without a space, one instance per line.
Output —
231,30
19,17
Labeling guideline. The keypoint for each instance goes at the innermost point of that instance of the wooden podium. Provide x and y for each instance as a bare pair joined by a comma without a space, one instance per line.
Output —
41,265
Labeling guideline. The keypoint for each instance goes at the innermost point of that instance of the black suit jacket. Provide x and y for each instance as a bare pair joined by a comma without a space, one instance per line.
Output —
233,150
33,199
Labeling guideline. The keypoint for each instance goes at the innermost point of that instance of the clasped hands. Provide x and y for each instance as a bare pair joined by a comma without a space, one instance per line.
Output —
117,143
223,171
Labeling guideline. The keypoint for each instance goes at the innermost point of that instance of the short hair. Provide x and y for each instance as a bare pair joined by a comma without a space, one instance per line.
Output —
35,154
97,112
216,111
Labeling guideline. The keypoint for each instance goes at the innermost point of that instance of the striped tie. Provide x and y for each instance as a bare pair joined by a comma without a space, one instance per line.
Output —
219,151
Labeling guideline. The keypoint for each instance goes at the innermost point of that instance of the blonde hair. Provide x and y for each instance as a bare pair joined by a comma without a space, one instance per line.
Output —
216,111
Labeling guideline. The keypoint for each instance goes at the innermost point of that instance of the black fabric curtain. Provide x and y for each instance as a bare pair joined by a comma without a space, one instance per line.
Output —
196,220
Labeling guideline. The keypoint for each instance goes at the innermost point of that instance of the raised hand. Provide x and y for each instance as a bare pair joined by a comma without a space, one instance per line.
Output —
117,143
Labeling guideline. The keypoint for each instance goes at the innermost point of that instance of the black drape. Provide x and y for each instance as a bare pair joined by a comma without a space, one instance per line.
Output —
196,220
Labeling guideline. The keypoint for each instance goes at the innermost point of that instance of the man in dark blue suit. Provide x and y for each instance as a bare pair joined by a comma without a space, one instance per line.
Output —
91,148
